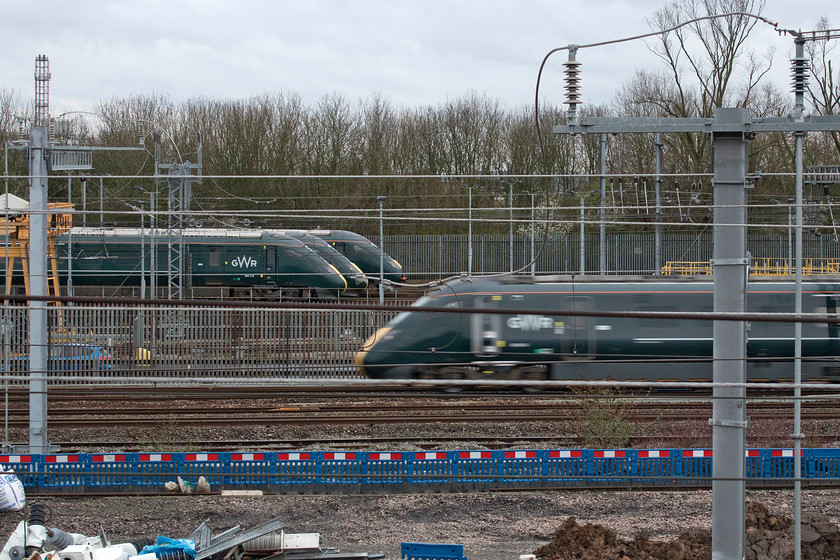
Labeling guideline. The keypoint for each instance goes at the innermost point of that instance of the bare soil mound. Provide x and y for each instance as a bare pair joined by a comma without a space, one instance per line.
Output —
768,537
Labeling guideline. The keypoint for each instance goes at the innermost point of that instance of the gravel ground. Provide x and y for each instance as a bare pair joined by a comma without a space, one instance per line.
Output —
497,526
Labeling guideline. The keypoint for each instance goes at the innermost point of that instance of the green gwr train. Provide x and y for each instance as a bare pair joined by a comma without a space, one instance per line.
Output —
554,344
371,259
356,279
214,258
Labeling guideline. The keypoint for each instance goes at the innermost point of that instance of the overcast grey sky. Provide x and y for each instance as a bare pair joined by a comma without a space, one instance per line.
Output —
412,52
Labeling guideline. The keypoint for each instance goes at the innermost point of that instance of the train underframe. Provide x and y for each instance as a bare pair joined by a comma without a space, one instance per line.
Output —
687,370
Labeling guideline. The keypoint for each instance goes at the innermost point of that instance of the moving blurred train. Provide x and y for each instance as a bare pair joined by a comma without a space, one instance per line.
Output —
227,262
551,344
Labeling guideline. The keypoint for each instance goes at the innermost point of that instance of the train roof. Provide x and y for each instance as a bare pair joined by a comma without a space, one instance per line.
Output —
639,279
187,232
240,233
587,282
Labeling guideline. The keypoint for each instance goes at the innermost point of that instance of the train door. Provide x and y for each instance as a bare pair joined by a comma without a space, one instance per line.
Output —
831,309
830,348
486,328
578,340
270,263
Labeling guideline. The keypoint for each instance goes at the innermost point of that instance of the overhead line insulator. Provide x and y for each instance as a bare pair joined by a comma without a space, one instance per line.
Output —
572,71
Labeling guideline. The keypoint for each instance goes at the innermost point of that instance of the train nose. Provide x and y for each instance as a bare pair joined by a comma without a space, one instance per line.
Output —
337,280
362,357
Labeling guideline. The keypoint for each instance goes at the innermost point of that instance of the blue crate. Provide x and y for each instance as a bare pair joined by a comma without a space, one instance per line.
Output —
432,551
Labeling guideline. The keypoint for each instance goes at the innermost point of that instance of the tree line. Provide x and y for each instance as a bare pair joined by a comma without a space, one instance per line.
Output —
415,156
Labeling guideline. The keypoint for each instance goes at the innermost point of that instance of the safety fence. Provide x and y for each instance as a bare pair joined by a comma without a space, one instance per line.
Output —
311,472
442,256
95,343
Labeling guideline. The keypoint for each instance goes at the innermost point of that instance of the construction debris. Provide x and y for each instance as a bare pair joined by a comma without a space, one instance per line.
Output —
12,497
31,540
201,486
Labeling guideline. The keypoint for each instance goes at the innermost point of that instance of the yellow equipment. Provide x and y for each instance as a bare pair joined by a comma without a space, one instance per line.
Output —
16,227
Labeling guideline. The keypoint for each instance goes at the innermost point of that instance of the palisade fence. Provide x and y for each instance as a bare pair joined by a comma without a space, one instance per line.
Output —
192,342
440,256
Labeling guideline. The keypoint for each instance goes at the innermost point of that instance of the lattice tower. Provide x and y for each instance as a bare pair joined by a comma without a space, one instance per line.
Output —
42,91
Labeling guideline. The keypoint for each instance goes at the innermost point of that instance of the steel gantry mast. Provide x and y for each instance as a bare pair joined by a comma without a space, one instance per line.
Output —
178,178
30,230
731,130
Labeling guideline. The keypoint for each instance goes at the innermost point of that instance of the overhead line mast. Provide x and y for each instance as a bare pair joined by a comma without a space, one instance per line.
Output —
731,130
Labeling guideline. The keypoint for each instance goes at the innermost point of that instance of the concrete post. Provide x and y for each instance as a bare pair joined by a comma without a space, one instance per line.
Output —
38,442
729,420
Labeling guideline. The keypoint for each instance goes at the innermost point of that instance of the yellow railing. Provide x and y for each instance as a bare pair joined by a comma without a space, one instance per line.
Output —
758,267
686,267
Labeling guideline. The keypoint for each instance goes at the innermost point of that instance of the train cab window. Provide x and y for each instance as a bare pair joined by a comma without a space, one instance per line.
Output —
214,258
289,253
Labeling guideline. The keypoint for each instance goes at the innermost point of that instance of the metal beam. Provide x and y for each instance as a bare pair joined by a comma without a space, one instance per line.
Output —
613,125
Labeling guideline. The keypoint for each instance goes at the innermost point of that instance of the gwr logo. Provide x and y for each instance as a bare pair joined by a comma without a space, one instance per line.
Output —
530,322
244,262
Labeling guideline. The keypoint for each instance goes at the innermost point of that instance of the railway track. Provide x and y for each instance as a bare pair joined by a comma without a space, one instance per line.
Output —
295,418
314,414
184,412
422,443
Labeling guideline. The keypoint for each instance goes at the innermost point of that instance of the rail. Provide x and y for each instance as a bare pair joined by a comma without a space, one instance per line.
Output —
316,472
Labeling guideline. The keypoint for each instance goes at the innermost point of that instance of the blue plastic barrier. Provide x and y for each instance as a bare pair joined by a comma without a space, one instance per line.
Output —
432,551
695,464
822,465
111,471
475,470
249,470
155,469
65,471
209,465
386,471
564,466
26,467
523,467
655,467
340,472
432,471
295,472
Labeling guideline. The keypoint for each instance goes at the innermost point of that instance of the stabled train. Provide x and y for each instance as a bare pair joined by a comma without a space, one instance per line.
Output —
555,345
358,249
230,261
